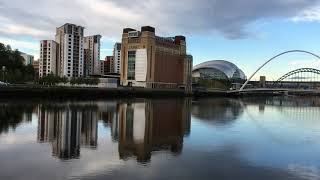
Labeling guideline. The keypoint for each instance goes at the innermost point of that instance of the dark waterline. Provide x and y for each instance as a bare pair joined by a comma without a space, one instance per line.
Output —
221,138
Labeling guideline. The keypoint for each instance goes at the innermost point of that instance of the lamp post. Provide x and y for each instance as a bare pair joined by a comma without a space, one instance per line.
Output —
3,71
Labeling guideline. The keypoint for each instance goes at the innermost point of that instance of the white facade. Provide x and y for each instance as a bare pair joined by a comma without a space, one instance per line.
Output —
141,65
48,58
92,57
117,57
71,53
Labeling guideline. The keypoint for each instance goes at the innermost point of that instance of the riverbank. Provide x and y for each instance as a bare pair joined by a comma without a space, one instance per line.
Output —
95,93
125,92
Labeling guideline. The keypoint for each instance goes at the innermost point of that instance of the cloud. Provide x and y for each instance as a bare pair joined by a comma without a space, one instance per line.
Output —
108,17
310,15
38,19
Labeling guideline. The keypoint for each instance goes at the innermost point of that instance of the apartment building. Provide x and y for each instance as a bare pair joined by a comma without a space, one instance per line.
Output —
101,62
48,57
71,50
117,58
92,55
109,65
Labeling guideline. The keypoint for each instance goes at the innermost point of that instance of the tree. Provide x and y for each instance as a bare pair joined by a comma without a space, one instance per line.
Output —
16,71
52,79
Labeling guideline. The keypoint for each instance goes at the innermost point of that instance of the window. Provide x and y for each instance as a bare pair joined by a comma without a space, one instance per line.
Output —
131,65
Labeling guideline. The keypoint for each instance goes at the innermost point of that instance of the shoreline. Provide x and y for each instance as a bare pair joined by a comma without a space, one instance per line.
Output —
99,93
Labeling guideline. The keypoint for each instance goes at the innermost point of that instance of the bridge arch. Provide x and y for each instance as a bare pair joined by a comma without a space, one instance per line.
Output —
301,70
286,52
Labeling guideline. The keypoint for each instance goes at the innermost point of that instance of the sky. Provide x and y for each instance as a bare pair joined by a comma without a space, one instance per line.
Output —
245,32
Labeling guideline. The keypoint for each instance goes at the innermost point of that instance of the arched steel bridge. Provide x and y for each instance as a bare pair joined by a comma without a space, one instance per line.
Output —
286,52
298,71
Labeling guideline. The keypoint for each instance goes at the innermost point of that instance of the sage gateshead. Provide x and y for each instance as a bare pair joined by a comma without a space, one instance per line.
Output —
218,70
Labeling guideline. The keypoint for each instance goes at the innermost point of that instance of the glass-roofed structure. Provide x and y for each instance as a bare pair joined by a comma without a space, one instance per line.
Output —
218,70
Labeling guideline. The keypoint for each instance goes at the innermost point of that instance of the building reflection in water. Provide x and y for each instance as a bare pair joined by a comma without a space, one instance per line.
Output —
109,115
67,128
219,111
152,126
140,127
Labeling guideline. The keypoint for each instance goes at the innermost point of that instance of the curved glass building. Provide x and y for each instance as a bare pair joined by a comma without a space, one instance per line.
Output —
218,70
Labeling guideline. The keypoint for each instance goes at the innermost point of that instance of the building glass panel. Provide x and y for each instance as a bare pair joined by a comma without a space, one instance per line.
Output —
131,65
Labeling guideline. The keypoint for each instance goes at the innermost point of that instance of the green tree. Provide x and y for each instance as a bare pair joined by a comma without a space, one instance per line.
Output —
15,70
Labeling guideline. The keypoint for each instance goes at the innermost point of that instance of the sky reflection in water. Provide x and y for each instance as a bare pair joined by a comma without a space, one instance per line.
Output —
252,138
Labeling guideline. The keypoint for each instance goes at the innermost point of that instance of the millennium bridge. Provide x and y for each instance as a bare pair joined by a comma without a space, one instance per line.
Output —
302,81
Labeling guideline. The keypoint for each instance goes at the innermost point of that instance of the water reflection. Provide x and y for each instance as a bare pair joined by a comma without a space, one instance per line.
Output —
12,114
152,126
67,127
260,138
140,127
218,111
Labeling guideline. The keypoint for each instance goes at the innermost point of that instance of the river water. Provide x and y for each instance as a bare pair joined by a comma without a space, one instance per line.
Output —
250,138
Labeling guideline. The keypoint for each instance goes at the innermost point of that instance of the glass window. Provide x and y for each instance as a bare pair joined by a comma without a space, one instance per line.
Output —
131,65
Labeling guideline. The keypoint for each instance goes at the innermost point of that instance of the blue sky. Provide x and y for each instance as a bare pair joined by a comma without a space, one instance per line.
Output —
245,32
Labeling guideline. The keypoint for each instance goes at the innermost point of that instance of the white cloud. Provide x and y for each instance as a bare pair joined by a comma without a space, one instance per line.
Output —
309,15
19,44
18,30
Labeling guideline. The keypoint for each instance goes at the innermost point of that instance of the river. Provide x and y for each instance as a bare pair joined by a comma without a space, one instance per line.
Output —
218,138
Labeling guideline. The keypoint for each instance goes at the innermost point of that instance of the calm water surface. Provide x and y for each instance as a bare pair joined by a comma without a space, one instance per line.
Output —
272,138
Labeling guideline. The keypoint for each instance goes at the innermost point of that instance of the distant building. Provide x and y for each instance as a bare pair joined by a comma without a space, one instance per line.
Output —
48,57
28,59
92,55
154,62
71,54
101,65
218,74
117,58
35,65
262,81
108,65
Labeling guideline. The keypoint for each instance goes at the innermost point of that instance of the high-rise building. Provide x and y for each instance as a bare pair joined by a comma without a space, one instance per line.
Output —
71,54
48,57
154,62
117,58
92,55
